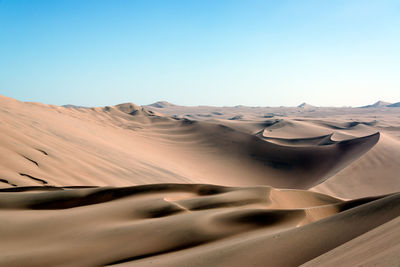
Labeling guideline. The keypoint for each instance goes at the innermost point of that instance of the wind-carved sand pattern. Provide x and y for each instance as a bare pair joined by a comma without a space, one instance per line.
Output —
7,182
31,160
166,185
33,178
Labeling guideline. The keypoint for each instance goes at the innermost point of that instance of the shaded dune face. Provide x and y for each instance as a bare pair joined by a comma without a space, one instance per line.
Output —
312,161
106,226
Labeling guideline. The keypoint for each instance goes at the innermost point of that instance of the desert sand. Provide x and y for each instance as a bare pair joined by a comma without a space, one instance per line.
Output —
169,185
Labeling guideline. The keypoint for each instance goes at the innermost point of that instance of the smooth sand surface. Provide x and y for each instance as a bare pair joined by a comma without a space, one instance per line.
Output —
378,247
167,185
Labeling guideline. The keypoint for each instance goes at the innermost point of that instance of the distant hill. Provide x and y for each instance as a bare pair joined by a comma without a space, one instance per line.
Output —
378,104
394,105
161,104
305,105
73,106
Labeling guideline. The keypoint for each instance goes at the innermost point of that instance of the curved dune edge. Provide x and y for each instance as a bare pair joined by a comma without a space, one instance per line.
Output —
179,225
301,142
314,161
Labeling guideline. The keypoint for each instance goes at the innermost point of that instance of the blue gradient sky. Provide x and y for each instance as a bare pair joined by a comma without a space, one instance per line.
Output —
258,53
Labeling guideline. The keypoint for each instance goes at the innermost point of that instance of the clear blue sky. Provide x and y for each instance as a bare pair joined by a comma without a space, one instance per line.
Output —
258,53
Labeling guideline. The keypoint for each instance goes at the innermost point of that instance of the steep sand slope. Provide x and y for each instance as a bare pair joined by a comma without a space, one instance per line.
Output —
179,225
378,247
375,173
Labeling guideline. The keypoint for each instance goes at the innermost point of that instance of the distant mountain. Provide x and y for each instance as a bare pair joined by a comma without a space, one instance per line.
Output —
378,104
394,105
161,104
305,105
73,106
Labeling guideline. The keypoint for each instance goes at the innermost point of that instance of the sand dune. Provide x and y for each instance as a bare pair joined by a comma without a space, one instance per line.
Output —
127,145
168,185
158,223
292,247
373,174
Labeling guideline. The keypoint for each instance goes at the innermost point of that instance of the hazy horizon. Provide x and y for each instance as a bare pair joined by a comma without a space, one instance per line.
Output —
204,105
225,53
